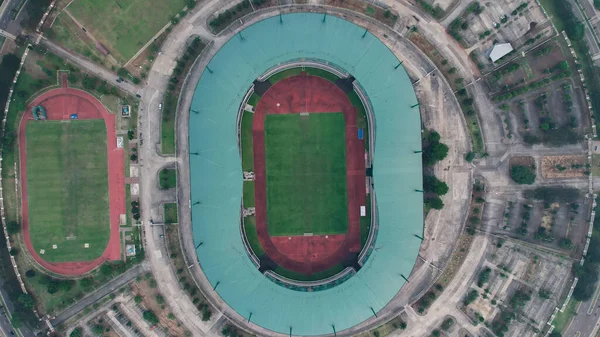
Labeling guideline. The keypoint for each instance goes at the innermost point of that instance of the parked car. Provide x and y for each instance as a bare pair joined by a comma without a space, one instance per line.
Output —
159,106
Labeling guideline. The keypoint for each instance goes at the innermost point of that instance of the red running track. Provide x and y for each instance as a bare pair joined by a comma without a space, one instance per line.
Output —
60,104
309,254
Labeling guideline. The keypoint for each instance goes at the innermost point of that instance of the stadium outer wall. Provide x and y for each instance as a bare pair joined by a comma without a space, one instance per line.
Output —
412,66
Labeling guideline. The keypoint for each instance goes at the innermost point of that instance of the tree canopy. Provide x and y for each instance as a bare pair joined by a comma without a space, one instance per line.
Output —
522,175
434,185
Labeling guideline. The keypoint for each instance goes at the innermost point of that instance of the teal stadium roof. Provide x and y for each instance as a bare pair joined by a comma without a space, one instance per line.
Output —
216,173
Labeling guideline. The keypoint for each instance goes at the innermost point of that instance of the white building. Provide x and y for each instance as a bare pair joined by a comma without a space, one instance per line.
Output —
498,51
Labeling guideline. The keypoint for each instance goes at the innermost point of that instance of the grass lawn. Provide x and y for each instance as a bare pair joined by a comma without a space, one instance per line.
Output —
246,140
250,228
170,213
125,26
562,319
65,31
67,177
306,174
167,179
248,194
253,100
314,277
596,164
296,71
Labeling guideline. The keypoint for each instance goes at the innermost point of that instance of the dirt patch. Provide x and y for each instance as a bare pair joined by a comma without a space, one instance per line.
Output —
564,166
153,300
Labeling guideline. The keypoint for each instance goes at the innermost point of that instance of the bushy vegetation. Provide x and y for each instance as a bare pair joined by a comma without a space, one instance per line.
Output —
437,12
551,194
8,69
432,184
434,150
574,28
522,174
588,273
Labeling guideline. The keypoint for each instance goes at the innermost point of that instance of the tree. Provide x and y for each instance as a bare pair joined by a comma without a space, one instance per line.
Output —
86,282
52,286
434,185
77,332
18,318
470,156
13,227
522,175
106,269
434,152
30,273
597,5
26,300
66,285
566,243
149,316
138,299
434,202
434,136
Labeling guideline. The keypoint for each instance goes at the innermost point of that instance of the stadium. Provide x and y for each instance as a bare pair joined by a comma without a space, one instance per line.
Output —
325,248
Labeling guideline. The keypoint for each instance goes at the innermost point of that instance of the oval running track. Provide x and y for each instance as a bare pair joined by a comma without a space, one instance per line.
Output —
60,104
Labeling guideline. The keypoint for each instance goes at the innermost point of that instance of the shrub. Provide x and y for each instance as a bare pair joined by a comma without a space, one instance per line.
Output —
434,185
150,317
522,175
434,202
435,152
26,300
13,227
470,156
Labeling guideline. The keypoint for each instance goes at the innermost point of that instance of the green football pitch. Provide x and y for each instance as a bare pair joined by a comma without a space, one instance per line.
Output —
67,178
125,26
305,158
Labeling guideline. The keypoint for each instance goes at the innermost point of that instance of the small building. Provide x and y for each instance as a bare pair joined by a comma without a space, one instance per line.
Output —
126,110
498,51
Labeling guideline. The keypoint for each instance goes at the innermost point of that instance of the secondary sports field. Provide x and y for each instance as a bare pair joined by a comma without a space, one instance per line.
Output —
124,26
305,157
67,178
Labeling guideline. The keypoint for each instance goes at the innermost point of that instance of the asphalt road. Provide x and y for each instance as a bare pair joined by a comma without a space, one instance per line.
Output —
108,288
584,323
89,66
6,15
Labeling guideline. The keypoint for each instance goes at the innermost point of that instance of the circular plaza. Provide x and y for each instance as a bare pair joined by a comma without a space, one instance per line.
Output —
304,188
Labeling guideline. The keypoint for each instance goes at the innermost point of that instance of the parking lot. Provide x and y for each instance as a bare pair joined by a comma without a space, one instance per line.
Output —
522,287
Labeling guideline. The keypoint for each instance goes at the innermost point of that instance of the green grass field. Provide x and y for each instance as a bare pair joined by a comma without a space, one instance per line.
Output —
306,174
167,179
170,213
67,177
314,277
296,71
248,194
252,236
127,25
246,141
